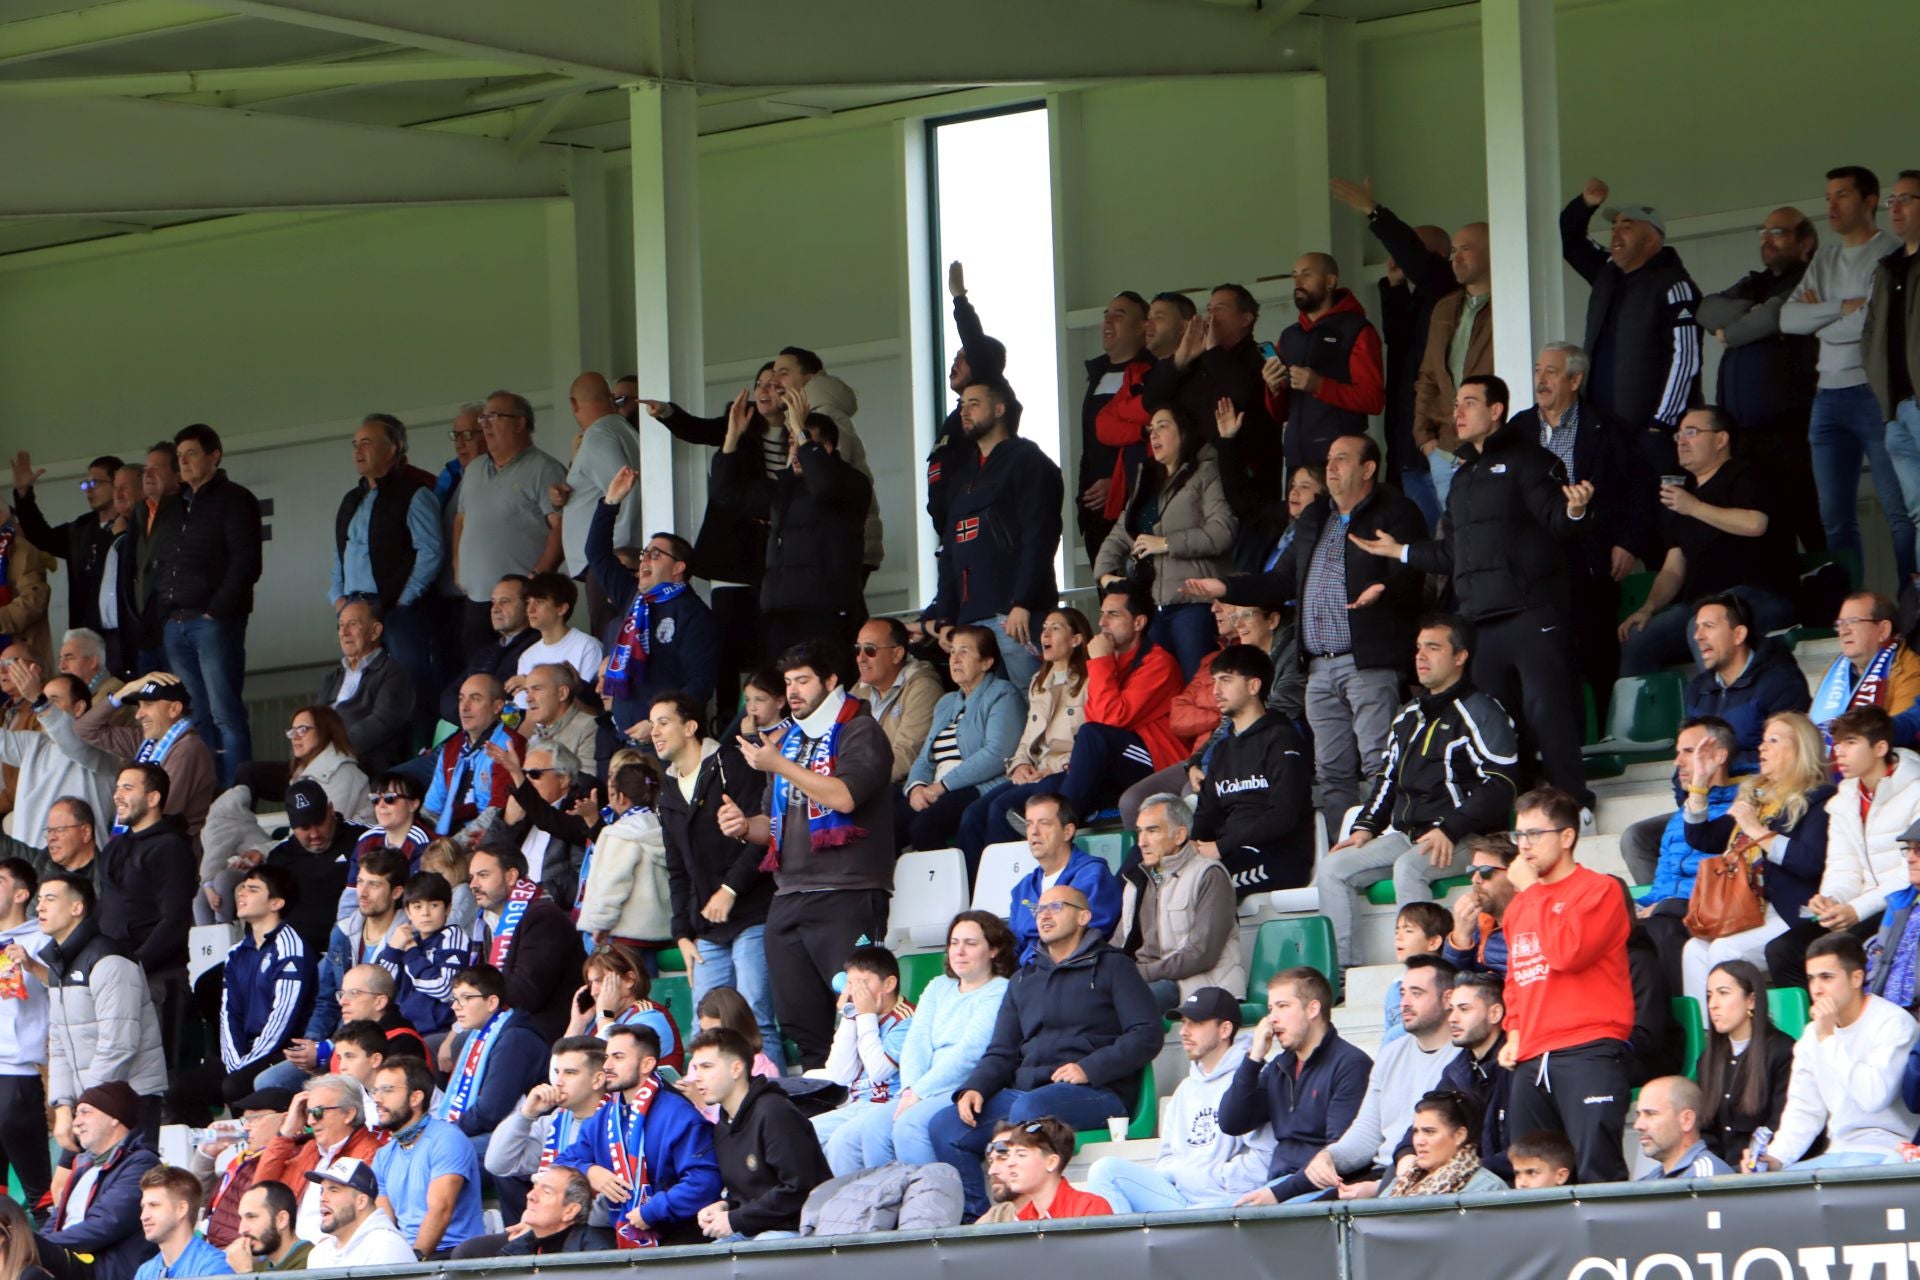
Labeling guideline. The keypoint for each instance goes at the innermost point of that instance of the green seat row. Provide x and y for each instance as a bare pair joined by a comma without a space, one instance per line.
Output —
1288,944
1141,1124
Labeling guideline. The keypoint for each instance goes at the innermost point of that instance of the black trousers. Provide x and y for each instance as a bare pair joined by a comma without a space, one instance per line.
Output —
1525,660
809,936
1787,954
198,1092
1595,616
1582,1092
23,1136
933,827
476,629
1783,455
736,617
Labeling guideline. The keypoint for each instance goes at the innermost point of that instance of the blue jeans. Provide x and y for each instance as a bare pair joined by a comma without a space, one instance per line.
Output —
1903,448
1188,631
408,640
875,1136
742,965
210,657
1667,638
964,1147
1417,484
281,1075
1846,426
1017,662
1129,1188
1440,466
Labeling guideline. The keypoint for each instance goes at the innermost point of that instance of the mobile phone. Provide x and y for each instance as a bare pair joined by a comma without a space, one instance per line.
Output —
1270,351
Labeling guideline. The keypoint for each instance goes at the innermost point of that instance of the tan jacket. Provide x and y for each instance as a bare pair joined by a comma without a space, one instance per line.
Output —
1055,712
1199,528
24,618
1190,925
1433,386
907,718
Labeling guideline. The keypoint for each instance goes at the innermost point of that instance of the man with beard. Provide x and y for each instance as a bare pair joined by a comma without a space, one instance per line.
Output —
827,824
1002,529
428,1173
358,1229
1113,420
1328,376
979,359
267,1241
534,944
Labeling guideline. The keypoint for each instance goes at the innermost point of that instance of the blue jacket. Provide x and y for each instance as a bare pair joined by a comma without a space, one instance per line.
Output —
1084,872
199,1258
1772,682
111,1229
681,1167
333,968
1092,1008
1489,956
424,975
1307,1111
516,1063
1673,878
266,996
685,649
990,724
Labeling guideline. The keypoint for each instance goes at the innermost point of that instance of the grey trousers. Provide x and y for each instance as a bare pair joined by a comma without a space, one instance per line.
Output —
1350,710
1640,847
1345,875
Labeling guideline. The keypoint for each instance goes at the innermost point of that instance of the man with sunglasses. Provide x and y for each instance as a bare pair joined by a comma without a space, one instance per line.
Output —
1569,996
505,520
900,690
1719,539
1477,943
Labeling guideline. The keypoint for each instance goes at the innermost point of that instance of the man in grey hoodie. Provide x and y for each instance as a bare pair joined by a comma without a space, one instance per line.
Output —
23,1037
1847,423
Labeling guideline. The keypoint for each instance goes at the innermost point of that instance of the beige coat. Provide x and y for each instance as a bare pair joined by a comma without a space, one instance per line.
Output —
1433,385
908,718
1055,712
1199,528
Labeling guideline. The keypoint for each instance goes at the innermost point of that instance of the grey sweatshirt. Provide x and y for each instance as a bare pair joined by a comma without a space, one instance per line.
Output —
1838,272
1402,1075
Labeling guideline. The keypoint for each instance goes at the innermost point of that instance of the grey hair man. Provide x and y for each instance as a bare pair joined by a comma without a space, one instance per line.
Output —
1189,925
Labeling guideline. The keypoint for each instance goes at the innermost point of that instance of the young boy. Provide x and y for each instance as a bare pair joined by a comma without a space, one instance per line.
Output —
426,952
865,1055
1420,929
550,601
1543,1158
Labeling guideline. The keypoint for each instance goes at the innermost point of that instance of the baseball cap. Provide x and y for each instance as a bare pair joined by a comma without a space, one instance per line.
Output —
158,691
264,1100
1911,835
348,1171
306,804
1208,1004
1636,213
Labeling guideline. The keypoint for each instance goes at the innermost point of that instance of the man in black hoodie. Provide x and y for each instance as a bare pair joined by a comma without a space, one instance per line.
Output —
979,359
1002,528
1076,1027
146,883
1255,806
768,1154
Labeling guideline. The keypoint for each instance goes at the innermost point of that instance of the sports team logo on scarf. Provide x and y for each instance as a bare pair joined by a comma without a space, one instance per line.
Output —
634,646
1839,694
566,1127
154,750
632,1167
473,1065
825,828
519,898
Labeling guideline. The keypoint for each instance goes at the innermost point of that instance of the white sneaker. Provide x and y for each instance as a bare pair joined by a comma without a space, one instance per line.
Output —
1588,825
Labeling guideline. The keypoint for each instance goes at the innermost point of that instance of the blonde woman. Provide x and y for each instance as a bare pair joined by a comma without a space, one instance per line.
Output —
1779,820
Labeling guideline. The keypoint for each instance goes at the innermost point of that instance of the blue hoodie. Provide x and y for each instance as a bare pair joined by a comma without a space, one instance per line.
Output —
1088,874
681,1167
1673,878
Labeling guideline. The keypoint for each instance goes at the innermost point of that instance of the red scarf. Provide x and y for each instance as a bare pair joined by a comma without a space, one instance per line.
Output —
1121,423
520,899
632,1170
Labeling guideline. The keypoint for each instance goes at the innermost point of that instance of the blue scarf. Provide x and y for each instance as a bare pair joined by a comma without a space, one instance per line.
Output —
628,661
473,1065
825,828
1839,692
155,751
1900,979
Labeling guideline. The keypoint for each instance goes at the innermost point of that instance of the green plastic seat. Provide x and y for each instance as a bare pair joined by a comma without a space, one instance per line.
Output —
1790,1009
1111,847
1380,892
669,960
1633,592
918,969
1693,1027
1642,720
1288,944
675,994
1141,1124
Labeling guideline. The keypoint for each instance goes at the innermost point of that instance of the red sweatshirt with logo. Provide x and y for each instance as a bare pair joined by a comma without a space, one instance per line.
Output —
1567,981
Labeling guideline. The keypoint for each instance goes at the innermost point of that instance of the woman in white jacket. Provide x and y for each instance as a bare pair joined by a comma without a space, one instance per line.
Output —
1878,799
624,892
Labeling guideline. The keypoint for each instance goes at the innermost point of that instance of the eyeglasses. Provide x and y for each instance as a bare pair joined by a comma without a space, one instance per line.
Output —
622,401
1900,199
70,826
1479,872
299,731
868,650
459,436
468,998
495,416
1843,623
1774,233
1688,433
387,1090
88,486
1533,834
387,797
656,553
1048,908
354,993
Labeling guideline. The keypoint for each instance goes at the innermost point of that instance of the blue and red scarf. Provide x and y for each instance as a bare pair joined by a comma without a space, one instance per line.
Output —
631,1166
825,828
473,1065
519,898
634,647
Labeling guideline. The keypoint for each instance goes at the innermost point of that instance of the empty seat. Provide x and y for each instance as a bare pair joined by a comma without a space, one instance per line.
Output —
1141,1124
1642,719
1286,944
929,890
918,969
1789,1009
1002,866
1693,1027
1111,847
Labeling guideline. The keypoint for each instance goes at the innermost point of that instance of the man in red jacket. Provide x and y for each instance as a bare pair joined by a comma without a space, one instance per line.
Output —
1128,734
1569,997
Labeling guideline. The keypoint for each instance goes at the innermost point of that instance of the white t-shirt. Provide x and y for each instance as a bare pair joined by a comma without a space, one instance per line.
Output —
576,648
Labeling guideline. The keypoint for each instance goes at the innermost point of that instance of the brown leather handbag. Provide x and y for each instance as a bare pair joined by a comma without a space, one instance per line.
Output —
1728,894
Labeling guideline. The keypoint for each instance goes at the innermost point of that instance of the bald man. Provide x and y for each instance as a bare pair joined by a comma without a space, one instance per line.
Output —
608,442
1459,345
1075,1028
1328,376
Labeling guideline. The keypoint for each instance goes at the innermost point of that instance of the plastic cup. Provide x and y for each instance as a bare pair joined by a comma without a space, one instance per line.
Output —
1117,1128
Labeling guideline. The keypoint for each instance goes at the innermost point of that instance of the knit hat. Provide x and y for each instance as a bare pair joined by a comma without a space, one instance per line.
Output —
115,1098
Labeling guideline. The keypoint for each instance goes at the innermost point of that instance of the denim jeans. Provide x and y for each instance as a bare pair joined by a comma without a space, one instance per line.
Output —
875,1136
964,1147
742,965
1106,760
1417,484
1017,662
409,641
1440,466
210,657
1846,427
1667,639
1188,632
1129,1188
1903,448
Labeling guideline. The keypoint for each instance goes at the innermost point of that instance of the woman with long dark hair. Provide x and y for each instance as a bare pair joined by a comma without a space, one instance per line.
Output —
1177,526
1744,1069
974,728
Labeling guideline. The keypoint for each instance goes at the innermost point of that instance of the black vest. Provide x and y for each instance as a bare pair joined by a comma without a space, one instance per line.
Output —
389,542
1327,349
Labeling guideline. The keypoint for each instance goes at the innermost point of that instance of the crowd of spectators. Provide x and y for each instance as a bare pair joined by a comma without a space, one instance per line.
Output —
435,989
